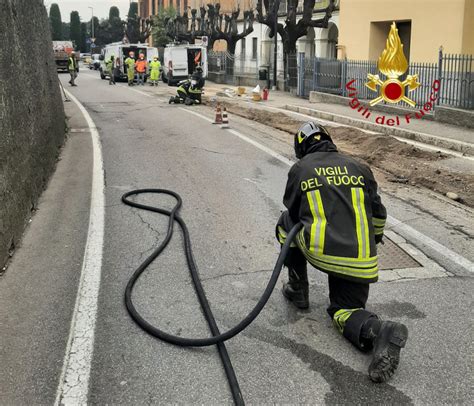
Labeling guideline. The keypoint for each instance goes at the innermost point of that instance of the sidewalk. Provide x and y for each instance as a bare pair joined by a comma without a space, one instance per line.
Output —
459,139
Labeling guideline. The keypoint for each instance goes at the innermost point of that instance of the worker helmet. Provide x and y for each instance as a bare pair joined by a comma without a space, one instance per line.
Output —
309,134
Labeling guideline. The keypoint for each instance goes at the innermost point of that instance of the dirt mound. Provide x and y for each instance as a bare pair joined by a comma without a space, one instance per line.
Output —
404,163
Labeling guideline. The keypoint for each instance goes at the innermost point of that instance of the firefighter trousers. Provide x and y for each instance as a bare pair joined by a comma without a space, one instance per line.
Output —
347,298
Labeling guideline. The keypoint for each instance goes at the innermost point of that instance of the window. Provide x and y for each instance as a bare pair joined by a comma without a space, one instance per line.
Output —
254,47
243,50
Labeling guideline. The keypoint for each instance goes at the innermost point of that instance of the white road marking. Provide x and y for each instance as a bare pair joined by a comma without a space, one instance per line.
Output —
414,234
74,381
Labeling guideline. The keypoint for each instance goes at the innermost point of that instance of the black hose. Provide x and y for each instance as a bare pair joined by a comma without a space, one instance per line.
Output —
218,337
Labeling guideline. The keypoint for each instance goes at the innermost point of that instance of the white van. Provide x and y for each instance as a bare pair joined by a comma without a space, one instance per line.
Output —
121,51
180,62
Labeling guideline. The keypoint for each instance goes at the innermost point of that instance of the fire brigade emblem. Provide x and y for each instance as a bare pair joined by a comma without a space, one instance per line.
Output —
392,63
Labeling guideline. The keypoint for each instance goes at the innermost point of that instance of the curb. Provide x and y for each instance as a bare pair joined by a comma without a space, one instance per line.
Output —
453,145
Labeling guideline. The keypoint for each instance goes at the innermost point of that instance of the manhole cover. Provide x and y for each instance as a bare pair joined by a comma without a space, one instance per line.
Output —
391,256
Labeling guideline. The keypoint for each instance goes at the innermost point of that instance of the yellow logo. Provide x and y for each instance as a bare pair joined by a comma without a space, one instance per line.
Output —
300,138
392,63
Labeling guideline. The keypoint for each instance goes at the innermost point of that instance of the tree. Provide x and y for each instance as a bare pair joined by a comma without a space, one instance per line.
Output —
56,23
75,29
211,23
66,31
230,33
159,31
83,38
133,23
293,29
114,12
115,25
138,29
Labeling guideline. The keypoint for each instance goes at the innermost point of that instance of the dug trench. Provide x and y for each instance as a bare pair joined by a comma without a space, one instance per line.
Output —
397,161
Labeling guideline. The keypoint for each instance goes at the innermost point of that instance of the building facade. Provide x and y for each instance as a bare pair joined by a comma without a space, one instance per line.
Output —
258,45
423,25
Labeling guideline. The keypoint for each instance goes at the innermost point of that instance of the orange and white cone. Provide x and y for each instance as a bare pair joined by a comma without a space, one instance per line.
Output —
218,119
225,119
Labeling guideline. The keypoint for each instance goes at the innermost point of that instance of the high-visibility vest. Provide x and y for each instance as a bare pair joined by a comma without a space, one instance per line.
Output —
72,63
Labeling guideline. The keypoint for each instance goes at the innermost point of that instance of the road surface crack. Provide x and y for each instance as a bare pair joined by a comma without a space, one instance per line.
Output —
234,274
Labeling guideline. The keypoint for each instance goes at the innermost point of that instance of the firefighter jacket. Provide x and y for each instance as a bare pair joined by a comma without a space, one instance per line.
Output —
335,198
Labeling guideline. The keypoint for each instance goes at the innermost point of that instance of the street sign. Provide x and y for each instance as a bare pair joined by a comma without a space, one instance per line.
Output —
92,39
88,40
93,45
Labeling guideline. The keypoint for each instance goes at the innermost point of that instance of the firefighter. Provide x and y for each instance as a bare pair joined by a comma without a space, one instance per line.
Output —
110,68
336,200
155,67
130,63
73,68
198,76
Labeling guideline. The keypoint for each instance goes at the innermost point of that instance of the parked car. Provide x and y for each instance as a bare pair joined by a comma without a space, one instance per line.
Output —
94,62
120,51
180,62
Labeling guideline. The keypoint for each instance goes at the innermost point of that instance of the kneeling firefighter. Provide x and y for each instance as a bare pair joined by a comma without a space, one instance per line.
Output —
336,200
190,90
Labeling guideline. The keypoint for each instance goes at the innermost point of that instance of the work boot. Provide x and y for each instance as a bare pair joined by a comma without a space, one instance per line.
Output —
389,340
296,290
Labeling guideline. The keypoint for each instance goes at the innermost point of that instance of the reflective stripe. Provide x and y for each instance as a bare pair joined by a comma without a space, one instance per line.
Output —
379,225
362,229
365,220
378,222
366,268
318,228
282,237
348,261
341,316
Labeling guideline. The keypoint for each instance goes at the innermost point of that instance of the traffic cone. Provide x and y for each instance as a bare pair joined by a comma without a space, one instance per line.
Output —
225,119
218,119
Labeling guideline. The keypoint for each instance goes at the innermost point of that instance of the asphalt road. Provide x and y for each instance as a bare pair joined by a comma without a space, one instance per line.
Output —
232,195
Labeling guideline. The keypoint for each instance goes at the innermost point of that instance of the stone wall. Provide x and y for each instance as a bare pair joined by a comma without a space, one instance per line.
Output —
32,121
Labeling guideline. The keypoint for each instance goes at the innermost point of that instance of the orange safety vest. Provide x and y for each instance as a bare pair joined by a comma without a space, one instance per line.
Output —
140,65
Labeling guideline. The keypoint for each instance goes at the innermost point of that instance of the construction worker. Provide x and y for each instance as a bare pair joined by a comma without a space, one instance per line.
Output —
130,63
140,66
73,68
336,200
109,65
155,67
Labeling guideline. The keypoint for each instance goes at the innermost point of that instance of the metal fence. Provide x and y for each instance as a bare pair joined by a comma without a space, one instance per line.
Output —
455,73
229,66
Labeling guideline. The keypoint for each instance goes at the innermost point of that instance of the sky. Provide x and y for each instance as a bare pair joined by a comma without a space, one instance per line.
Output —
101,8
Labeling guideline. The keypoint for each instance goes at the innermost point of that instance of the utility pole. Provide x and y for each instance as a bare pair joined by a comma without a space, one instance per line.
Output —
92,28
275,54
